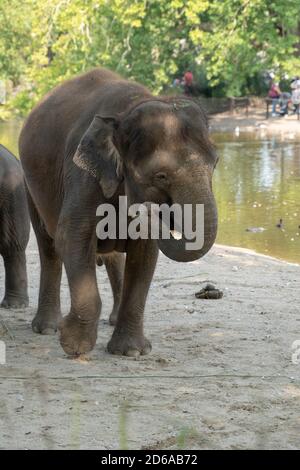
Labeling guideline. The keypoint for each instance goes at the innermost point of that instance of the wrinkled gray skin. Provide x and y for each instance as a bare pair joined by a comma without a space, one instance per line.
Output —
90,140
14,230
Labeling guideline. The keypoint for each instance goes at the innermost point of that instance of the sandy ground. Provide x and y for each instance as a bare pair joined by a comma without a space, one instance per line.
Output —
255,121
220,374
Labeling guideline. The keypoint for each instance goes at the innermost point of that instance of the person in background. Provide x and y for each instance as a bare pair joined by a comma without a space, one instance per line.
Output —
274,93
176,83
284,101
295,86
2,92
188,83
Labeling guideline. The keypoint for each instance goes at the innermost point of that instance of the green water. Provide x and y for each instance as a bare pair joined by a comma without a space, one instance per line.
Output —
9,133
256,183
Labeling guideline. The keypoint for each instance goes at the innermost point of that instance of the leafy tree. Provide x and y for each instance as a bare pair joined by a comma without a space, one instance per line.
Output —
14,39
228,44
248,37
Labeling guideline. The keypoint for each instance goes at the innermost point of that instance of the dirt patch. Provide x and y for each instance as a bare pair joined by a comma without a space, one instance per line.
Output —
220,374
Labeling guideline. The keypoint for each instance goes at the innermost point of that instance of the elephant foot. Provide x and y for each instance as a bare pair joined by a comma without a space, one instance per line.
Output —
113,317
14,302
127,344
45,324
77,338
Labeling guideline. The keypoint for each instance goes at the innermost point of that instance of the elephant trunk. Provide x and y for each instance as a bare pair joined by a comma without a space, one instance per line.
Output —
199,214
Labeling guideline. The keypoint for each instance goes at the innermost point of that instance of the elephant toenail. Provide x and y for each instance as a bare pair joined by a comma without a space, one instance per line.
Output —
133,353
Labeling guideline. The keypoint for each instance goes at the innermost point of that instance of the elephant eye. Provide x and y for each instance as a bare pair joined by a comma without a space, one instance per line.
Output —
161,176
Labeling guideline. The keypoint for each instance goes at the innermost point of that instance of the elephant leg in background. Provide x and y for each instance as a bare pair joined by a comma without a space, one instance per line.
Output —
15,279
13,242
76,244
128,337
115,266
48,313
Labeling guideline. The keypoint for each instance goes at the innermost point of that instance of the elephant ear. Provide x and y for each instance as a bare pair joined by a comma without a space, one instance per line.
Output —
97,154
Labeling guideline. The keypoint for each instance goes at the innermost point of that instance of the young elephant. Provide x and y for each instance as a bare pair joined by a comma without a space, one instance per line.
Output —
89,141
14,230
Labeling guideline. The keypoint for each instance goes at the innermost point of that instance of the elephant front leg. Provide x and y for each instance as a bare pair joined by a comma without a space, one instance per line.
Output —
128,337
16,295
78,330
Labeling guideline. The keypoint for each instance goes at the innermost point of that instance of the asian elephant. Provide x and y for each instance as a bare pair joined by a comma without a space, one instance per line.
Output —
90,140
14,230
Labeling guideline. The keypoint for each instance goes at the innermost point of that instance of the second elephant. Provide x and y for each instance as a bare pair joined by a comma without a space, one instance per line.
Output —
14,230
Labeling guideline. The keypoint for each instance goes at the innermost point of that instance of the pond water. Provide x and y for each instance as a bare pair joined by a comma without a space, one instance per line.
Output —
9,133
256,183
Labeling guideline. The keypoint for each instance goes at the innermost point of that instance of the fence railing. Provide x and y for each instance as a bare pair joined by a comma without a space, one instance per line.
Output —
221,105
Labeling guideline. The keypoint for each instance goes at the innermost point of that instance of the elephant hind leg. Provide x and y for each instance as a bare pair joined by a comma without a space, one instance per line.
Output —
48,313
16,295
115,266
14,234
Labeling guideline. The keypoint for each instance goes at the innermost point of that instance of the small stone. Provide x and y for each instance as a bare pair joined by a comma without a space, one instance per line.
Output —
162,360
209,294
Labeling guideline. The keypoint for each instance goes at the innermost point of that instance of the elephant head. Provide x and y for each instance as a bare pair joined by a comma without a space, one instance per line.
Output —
162,151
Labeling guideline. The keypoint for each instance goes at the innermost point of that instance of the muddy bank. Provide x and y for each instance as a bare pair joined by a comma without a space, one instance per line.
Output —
220,374
238,121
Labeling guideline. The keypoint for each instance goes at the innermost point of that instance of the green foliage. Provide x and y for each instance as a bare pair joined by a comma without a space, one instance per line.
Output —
227,44
248,37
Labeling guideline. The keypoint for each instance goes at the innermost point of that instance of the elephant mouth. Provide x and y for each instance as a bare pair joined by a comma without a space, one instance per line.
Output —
181,236
189,245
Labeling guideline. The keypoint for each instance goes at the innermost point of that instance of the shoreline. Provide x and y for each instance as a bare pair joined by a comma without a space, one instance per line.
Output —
237,121
252,252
